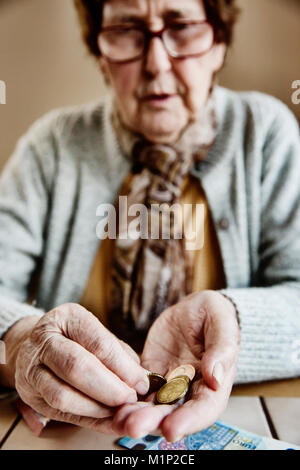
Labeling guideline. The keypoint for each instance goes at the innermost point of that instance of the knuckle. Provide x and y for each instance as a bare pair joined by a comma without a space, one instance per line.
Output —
55,320
47,327
57,399
81,324
39,333
27,366
70,418
93,341
72,365
47,348
34,376
75,366
107,352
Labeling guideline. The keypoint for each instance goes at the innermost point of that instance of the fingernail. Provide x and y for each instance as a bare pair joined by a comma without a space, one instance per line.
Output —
218,373
142,387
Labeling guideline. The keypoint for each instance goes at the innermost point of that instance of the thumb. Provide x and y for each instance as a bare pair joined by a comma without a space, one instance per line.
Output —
221,342
217,364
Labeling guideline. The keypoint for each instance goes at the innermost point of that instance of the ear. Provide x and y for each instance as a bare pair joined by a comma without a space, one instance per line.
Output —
218,53
104,69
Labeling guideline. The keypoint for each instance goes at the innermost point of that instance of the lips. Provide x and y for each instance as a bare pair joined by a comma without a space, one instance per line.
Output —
161,96
157,97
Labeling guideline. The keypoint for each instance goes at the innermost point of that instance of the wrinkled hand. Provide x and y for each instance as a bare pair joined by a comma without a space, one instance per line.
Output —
72,369
201,330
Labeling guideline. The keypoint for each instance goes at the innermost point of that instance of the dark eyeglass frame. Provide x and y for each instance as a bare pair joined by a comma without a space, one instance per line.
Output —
149,35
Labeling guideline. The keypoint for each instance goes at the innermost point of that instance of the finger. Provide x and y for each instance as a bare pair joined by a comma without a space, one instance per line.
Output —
222,338
194,415
217,364
62,397
130,351
122,414
86,330
99,425
144,420
84,372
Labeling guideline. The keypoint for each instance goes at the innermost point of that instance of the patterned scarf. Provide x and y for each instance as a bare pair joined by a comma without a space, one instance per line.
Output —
149,274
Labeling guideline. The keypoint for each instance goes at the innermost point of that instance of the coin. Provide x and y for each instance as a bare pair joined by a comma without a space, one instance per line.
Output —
186,369
184,377
172,391
156,382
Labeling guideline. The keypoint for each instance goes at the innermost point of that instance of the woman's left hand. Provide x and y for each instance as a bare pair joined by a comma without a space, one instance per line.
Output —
202,330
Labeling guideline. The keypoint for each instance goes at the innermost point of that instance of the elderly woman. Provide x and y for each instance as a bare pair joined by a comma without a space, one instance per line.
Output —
166,134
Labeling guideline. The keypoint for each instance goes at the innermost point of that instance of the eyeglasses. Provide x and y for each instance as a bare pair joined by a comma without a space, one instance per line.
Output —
182,39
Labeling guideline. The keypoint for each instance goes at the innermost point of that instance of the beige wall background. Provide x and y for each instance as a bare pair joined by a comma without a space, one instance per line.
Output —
45,65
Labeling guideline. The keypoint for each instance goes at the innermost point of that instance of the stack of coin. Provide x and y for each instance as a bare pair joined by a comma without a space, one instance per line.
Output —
175,387
187,370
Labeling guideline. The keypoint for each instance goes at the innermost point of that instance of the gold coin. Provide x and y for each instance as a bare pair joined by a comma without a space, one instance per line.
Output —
172,391
186,369
156,382
185,377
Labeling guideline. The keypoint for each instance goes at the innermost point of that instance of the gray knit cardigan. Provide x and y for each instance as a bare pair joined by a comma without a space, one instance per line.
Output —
69,162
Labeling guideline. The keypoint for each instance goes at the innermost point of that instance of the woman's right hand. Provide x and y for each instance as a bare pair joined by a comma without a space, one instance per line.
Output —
72,369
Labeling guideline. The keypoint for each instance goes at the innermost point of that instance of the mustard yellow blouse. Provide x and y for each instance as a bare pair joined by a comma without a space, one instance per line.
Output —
208,267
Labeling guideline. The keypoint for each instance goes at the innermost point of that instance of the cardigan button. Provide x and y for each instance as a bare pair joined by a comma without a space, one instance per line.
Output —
223,223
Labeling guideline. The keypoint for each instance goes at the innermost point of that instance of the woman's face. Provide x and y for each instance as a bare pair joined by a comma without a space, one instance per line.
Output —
138,86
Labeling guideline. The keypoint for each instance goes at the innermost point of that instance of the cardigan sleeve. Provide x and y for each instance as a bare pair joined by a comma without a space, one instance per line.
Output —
24,200
269,314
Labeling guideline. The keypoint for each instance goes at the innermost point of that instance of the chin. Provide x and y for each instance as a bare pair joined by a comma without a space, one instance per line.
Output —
160,136
161,130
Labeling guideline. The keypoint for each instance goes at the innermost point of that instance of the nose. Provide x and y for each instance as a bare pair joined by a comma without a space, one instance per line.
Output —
157,59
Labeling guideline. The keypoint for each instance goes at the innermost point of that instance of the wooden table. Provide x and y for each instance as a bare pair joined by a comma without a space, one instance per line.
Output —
270,409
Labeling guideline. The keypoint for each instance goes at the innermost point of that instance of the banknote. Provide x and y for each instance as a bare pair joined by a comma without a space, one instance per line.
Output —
219,436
